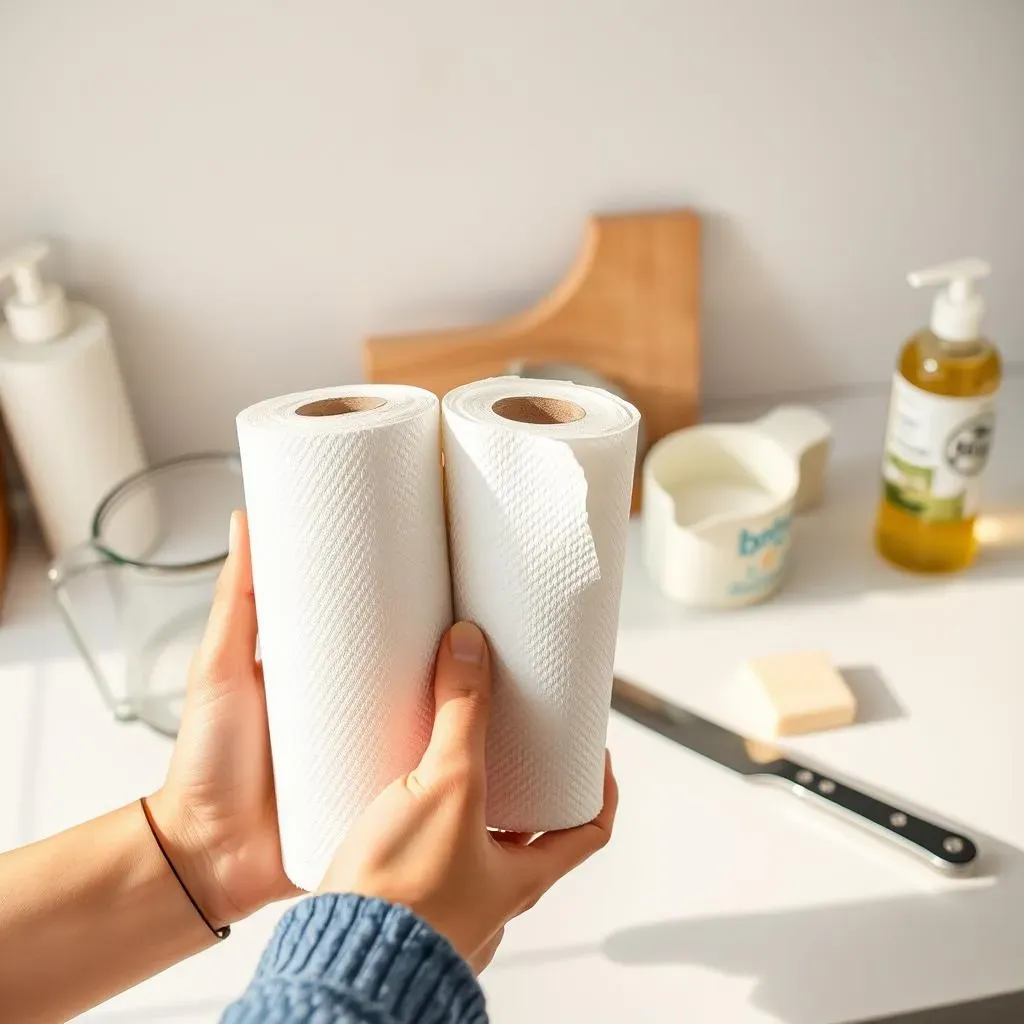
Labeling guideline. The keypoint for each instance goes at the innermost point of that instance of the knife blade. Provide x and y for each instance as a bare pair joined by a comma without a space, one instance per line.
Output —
942,848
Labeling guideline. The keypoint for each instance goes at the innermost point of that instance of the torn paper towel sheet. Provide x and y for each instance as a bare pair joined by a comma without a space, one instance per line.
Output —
350,572
538,479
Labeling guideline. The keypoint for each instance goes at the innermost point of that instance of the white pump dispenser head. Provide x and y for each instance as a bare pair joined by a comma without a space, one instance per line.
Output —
958,309
37,311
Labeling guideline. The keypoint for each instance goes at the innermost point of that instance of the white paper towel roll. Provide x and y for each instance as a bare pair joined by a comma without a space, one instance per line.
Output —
67,410
538,477
350,572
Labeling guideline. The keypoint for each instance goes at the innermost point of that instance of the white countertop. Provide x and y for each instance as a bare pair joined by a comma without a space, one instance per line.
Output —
717,900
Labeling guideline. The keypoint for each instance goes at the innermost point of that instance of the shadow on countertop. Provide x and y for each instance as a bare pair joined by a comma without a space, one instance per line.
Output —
822,965
876,701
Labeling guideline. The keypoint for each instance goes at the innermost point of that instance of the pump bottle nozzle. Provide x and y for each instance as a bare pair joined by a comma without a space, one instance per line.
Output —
958,309
37,311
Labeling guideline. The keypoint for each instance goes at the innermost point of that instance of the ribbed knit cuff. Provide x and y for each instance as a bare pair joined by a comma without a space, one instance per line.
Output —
377,961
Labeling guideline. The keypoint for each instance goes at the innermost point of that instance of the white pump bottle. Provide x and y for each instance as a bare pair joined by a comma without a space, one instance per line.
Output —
64,401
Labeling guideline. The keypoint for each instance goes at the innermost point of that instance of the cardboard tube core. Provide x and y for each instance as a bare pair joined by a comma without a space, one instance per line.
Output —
536,409
340,406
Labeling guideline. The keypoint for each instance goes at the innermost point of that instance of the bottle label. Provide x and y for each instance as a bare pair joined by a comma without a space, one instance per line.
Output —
936,448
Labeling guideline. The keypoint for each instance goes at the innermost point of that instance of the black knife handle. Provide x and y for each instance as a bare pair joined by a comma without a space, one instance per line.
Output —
945,849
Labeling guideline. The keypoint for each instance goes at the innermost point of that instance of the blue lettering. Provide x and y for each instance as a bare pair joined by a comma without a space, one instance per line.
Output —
752,543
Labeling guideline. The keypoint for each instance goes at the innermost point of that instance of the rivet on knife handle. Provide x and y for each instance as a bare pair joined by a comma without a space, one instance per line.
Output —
942,846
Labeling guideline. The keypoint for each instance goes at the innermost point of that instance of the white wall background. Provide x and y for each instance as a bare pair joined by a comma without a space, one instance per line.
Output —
249,187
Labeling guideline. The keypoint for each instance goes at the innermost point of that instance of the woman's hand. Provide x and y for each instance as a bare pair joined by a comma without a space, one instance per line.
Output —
423,842
216,812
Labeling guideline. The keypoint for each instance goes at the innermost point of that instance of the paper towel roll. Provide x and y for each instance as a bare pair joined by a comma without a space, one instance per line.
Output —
65,405
350,572
538,477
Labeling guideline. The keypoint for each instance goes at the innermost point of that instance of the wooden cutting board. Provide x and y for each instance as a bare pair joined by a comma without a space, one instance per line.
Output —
628,309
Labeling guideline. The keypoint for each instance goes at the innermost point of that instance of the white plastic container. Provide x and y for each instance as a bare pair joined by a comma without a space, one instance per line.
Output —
64,401
718,501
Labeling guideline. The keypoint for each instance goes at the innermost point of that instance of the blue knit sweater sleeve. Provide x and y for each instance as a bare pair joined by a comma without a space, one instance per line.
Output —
342,959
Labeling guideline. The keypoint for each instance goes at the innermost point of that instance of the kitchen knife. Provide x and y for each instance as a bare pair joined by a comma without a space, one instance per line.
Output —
942,848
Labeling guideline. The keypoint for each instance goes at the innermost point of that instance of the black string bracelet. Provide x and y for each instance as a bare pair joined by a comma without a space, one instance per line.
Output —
220,933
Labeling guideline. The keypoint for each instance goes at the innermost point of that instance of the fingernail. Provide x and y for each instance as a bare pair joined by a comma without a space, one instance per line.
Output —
233,532
467,643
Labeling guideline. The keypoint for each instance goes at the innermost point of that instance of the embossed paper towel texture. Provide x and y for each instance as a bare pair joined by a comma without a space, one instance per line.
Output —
352,589
537,530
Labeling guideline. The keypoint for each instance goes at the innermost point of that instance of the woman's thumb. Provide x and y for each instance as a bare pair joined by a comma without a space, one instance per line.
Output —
462,696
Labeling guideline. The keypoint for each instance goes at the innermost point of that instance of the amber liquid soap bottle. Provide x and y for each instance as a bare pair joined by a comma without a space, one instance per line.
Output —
940,429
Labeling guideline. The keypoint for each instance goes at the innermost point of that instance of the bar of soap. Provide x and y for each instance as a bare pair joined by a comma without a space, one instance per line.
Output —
800,692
